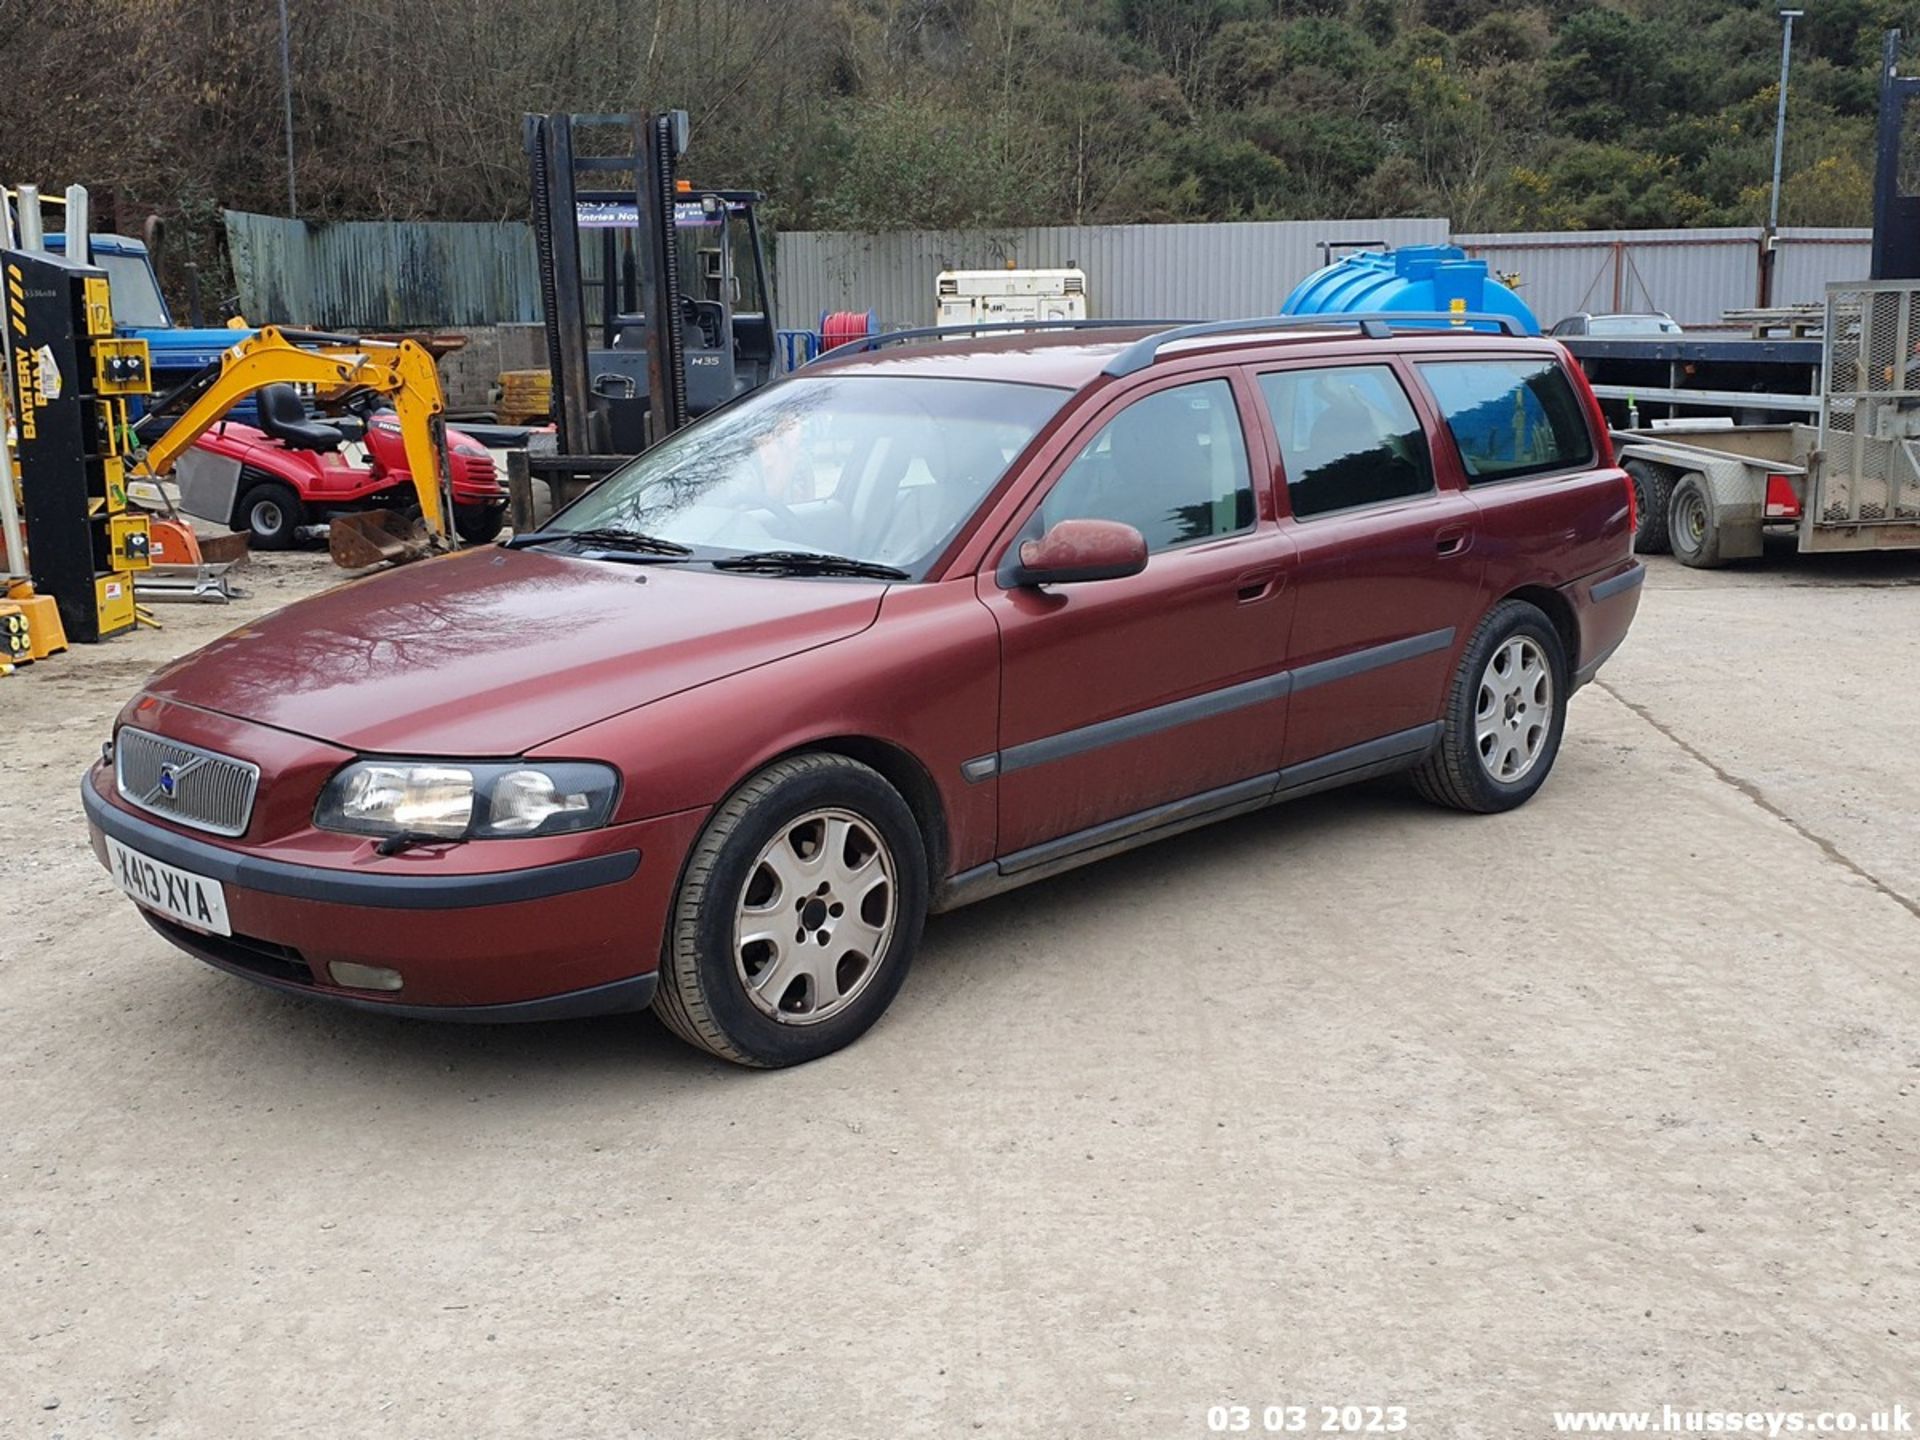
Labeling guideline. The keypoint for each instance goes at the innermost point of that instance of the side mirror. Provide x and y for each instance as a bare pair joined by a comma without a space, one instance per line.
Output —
1076,550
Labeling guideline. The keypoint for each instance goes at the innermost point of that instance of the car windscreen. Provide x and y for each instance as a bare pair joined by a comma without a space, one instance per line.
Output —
879,468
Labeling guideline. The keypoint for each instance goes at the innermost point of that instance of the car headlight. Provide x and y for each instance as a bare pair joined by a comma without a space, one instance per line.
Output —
458,800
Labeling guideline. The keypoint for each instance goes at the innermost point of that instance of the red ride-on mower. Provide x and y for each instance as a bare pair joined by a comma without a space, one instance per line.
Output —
293,471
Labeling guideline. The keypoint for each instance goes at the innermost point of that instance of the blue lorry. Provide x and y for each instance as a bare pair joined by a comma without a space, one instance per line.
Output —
140,311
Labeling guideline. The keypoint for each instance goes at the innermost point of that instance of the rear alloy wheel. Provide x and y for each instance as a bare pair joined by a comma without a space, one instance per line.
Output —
271,513
1513,710
798,915
1505,714
1693,526
1652,492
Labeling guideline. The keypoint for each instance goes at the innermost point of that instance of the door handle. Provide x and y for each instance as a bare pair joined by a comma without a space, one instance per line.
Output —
1453,541
1257,585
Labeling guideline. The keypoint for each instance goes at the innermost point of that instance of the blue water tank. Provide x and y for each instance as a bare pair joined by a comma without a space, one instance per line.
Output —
1414,278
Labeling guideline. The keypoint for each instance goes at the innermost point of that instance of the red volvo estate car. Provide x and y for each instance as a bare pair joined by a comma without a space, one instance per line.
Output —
902,631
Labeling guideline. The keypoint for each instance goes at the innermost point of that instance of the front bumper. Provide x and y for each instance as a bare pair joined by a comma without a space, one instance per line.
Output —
572,937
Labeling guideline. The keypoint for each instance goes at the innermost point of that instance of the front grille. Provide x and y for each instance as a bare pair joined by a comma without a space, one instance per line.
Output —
183,783
239,952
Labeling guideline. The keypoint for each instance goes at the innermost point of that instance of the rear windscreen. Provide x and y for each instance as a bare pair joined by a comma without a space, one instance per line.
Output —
1510,417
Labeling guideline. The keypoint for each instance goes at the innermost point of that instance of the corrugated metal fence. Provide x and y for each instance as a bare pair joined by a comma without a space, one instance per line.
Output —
1696,276
414,275
1147,271
381,275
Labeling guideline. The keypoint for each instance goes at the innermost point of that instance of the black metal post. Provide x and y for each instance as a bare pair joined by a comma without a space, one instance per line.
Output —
660,139
556,236
1896,215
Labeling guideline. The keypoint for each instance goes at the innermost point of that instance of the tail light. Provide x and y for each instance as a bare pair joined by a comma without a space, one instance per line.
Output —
1633,507
1783,501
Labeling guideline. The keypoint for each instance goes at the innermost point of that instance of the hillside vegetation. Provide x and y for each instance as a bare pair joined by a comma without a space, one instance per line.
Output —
878,114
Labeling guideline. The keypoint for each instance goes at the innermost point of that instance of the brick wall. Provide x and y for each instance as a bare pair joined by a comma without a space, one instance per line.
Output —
470,374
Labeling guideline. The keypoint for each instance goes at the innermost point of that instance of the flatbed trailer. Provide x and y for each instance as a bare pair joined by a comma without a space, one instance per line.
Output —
1754,380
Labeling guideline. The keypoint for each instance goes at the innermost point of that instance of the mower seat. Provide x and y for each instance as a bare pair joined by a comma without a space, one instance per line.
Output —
284,416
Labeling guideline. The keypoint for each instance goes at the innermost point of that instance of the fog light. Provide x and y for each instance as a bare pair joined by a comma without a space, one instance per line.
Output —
363,977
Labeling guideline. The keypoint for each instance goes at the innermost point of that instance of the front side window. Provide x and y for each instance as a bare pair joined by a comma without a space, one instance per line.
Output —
878,468
1510,417
1348,436
1173,465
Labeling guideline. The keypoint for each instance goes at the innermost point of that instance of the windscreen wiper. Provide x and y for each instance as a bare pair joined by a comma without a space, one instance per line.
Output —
604,538
809,562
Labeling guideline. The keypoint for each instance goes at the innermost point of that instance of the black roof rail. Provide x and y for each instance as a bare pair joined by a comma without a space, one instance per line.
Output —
1377,325
862,343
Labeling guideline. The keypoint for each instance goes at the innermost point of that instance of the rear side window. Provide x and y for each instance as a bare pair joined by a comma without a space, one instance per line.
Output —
1348,437
1510,417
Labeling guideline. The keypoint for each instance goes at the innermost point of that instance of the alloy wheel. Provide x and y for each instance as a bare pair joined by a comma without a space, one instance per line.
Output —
815,916
1513,713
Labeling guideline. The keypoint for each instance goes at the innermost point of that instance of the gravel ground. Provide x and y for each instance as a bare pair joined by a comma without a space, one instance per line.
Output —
1608,1102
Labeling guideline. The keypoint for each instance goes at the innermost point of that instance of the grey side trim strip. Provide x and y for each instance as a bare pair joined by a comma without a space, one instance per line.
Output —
614,998
1383,756
342,887
1146,722
1358,662
1399,745
1625,580
1205,706
1127,826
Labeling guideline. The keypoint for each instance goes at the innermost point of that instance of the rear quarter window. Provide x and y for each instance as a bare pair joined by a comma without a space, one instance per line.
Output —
1510,417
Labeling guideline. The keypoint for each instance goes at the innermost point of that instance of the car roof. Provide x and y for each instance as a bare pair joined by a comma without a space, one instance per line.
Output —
1073,359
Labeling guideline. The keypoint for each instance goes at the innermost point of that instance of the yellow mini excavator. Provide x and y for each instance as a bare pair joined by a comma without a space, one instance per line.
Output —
335,368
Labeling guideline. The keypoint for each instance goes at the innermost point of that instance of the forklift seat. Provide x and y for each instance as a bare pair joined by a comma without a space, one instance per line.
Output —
284,416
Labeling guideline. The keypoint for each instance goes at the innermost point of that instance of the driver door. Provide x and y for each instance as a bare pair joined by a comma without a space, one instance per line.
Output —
1162,688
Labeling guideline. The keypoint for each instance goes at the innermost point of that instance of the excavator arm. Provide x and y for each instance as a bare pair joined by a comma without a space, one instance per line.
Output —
403,372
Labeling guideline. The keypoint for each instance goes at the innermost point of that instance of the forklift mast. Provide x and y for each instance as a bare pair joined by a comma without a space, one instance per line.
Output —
665,345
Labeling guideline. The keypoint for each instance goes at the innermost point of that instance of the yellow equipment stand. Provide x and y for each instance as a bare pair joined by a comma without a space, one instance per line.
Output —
44,630
16,644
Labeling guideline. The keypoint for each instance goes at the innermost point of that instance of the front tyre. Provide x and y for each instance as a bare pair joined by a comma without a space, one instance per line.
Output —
271,513
1505,713
798,915
479,524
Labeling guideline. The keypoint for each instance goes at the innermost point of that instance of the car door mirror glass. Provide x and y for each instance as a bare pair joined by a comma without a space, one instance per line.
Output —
1077,550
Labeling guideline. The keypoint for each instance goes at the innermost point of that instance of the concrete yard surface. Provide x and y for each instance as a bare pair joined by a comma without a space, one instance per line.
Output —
1610,1102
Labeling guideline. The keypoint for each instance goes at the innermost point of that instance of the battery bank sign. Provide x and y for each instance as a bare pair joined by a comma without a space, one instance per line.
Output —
26,372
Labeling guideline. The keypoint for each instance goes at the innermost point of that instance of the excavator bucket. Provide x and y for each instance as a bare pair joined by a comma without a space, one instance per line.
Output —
377,537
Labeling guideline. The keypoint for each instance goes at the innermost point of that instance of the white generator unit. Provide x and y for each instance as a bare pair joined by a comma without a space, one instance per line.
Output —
1007,297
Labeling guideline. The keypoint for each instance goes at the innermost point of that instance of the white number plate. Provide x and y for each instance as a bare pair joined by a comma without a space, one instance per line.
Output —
184,896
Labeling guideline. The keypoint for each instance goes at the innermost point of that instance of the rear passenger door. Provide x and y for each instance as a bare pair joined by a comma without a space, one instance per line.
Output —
1388,572
1520,431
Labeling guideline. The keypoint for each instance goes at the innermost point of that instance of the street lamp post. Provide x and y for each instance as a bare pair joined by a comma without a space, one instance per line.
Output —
1787,18
286,102
1770,242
